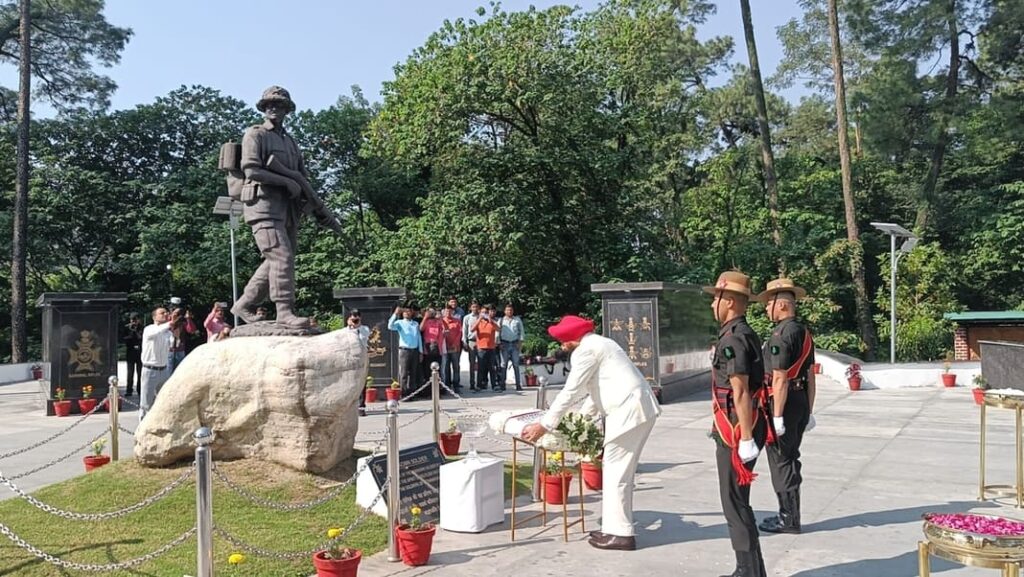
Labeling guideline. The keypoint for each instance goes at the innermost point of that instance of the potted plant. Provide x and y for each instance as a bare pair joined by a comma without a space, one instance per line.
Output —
980,386
948,378
86,404
97,458
61,407
531,377
337,561
37,371
450,439
587,440
556,478
394,392
371,391
415,539
853,376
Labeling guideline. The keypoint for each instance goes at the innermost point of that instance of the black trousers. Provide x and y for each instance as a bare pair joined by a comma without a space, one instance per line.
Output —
784,454
471,350
739,516
134,373
487,369
408,361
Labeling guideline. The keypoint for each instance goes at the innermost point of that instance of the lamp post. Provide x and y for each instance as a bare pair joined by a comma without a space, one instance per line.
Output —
895,231
232,208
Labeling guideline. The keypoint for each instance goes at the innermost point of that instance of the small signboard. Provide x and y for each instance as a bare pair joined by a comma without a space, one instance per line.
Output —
419,479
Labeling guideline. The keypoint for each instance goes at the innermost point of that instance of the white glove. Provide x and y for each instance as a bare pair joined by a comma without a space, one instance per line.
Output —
780,426
810,424
748,450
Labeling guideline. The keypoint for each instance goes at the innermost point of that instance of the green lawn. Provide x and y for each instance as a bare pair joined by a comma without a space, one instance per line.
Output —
121,484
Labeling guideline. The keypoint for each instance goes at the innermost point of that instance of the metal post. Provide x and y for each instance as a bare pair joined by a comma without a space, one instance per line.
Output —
892,299
538,459
394,490
233,220
435,393
113,402
204,502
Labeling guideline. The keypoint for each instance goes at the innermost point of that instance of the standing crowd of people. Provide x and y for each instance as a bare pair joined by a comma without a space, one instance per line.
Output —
492,342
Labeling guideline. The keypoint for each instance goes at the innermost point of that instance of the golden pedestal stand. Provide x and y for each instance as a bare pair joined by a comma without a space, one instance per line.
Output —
543,515
988,551
1015,403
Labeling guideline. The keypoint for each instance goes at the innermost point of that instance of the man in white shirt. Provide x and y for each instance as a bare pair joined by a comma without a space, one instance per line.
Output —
156,346
616,390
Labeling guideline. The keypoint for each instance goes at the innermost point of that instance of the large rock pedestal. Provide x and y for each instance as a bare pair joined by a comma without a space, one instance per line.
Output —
290,400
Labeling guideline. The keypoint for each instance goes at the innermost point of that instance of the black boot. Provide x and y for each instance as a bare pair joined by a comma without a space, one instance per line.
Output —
788,519
748,564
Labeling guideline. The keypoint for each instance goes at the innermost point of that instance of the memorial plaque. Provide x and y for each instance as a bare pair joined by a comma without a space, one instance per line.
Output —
375,306
1002,364
419,482
80,339
666,329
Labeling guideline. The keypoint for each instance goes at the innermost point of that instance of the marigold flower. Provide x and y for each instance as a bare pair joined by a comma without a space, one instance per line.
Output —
415,510
236,558
333,532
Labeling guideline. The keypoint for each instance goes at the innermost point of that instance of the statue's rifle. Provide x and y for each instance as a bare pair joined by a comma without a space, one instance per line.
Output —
312,203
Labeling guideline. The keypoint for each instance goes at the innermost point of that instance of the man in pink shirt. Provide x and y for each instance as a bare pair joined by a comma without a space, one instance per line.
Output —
215,322
451,353
433,339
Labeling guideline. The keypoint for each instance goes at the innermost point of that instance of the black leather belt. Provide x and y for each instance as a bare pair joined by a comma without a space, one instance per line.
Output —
509,342
409,348
154,368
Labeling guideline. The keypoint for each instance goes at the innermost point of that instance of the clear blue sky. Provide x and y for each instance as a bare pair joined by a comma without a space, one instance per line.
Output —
317,49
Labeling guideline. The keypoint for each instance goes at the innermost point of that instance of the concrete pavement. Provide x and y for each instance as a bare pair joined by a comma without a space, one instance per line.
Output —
875,463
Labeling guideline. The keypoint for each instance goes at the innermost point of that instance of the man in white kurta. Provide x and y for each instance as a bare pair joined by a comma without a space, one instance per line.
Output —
616,390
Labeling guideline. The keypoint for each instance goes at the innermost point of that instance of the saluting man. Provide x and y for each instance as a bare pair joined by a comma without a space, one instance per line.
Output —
789,355
739,423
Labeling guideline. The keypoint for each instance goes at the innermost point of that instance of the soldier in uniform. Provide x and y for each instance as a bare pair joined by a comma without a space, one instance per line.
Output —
788,356
274,199
739,422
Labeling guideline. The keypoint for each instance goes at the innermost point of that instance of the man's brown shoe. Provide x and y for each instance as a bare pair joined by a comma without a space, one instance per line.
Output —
596,534
614,542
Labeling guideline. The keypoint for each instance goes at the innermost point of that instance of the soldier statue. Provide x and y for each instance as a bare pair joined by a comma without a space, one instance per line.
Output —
267,175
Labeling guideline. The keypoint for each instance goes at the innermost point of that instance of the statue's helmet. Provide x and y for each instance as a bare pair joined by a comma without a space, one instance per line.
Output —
275,94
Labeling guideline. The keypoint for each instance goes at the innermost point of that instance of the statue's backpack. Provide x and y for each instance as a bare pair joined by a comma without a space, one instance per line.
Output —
231,163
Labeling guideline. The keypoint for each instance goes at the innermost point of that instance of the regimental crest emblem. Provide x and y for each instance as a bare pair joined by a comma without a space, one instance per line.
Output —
376,347
86,356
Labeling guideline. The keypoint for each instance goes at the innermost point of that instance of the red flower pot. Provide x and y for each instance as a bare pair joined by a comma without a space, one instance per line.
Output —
371,396
95,461
337,567
414,546
816,368
86,405
531,380
854,383
37,374
591,475
62,408
556,487
106,404
948,380
979,396
450,443
394,394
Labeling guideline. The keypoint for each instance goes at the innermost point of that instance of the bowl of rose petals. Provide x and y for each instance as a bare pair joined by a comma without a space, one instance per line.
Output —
972,534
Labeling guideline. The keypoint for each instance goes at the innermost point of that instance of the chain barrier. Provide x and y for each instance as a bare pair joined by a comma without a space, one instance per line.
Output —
252,549
124,429
90,566
99,516
73,452
257,500
53,437
132,404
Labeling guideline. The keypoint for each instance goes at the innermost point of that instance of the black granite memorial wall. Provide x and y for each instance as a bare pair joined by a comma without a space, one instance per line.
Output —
375,306
80,339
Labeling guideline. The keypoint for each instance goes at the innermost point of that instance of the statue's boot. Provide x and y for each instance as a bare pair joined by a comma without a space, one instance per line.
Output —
286,316
242,311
